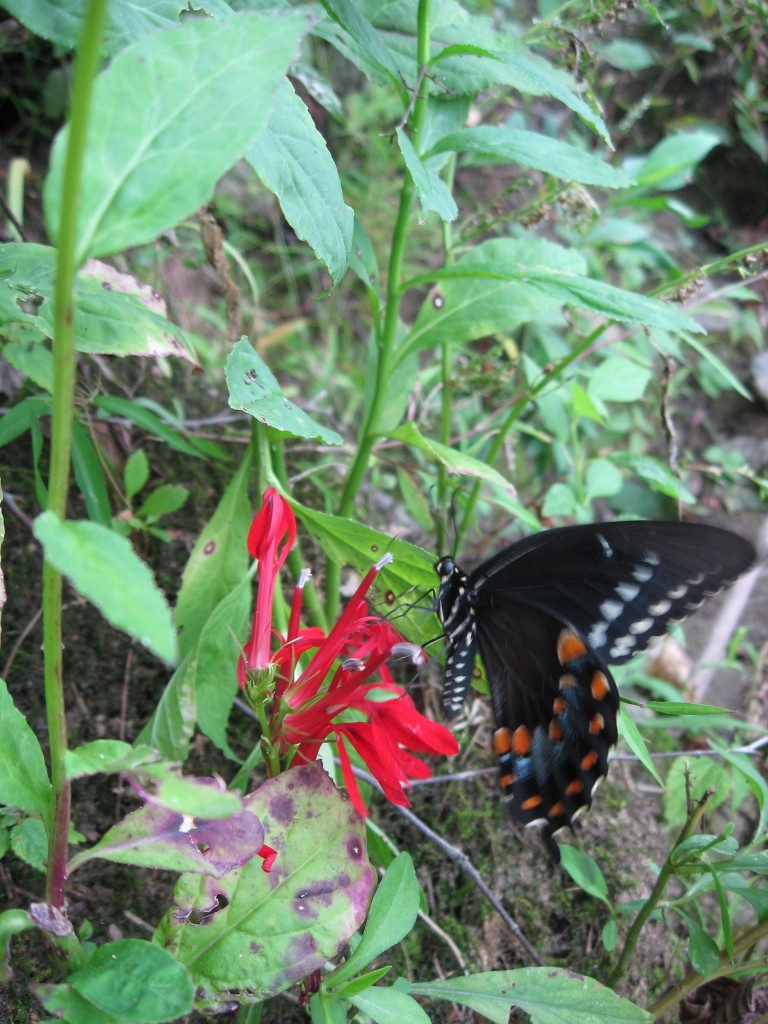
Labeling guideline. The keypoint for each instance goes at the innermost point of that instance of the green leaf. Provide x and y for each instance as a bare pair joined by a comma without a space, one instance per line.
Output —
454,461
254,388
291,157
218,562
432,191
190,100
23,776
109,322
486,143
31,358
347,13
29,842
671,163
133,981
610,935
585,872
627,55
391,917
618,380
682,707
550,995
390,1006
137,413
60,21
350,543
635,742
656,474
104,568
136,473
602,479
89,474
172,725
477,63
162,501
702,949
363,982
503,283
216,664
271,930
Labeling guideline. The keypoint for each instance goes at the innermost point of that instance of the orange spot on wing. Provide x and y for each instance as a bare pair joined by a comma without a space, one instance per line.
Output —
597,725
555,732
559,706
566,682
574,787
557,809
530,803
507,781
600,687
570,646
502,742
521,741
589,761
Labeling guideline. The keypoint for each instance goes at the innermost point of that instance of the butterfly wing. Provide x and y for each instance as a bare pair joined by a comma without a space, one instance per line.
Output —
548,615
555,707
619,585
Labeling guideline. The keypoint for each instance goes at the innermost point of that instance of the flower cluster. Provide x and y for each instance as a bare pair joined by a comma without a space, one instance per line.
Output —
335,686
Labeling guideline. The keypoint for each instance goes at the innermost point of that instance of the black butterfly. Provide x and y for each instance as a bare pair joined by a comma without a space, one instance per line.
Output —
548,615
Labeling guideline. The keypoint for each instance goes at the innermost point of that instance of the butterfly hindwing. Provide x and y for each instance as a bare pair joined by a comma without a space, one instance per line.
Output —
555,707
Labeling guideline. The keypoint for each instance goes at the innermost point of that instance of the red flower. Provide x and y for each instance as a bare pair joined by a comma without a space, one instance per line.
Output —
345,690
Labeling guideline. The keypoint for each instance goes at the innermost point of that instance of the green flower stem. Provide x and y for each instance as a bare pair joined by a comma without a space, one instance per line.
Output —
668,869
86,67
387,334
446,379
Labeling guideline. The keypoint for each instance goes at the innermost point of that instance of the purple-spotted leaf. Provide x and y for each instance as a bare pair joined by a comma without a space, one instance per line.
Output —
252,934
157,837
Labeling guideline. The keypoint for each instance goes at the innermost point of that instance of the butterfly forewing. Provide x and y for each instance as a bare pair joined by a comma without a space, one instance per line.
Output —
548,615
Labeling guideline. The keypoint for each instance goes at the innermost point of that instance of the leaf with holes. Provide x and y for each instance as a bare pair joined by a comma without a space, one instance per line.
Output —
252,934
157,837
254,389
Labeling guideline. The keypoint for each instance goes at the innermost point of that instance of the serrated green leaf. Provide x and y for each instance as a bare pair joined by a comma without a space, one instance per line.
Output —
531,149
254,389
351,543
550,995
454,461
199,93
291,157
60,21
104,568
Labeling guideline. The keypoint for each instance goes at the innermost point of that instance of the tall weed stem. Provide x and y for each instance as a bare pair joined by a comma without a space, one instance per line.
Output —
86,66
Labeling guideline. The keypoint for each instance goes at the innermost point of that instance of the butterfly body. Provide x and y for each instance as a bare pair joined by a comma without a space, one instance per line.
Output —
547,616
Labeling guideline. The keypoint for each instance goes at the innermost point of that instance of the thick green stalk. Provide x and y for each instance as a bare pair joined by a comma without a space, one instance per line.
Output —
386,336
86,66
667,870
